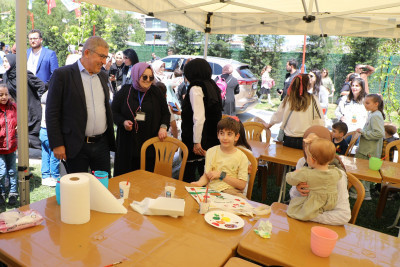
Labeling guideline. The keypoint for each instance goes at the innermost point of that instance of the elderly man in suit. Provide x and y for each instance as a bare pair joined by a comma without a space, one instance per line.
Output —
78,114
41,61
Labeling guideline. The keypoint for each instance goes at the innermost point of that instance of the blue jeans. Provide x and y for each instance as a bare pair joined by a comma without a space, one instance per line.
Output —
50,164
8,169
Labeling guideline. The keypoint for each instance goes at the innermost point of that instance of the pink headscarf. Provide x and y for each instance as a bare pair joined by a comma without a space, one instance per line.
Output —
137,72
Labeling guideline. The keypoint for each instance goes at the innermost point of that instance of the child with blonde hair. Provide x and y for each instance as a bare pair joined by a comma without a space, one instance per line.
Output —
321,178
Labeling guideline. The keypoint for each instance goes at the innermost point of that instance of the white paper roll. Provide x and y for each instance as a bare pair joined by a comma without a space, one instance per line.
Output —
75,198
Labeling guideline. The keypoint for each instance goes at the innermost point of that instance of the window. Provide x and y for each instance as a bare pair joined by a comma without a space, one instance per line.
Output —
156,23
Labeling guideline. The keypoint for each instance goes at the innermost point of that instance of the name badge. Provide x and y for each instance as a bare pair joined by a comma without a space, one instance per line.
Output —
140,116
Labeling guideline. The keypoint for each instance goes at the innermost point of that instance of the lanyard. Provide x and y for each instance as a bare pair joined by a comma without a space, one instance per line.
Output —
140,101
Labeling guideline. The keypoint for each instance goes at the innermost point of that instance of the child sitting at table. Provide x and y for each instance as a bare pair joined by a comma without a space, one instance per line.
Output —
390,131
339,130
226,166
321,178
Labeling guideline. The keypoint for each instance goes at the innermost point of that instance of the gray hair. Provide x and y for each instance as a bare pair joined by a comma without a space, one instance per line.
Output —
93,42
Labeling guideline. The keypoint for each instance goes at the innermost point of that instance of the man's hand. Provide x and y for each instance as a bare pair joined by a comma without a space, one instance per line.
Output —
198,150
59,153
303,189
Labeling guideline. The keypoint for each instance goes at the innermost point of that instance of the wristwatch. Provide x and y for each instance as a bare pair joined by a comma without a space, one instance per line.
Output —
222,176
163,126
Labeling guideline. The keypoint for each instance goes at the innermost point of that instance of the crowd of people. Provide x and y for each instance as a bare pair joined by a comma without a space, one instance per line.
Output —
73,110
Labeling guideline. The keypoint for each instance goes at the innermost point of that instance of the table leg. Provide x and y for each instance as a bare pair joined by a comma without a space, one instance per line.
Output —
282,191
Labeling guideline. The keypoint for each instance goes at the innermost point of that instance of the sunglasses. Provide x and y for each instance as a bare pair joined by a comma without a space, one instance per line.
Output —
145,77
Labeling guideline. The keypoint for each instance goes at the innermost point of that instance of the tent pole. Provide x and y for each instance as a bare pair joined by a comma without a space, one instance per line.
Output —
304,54
22,103
206,45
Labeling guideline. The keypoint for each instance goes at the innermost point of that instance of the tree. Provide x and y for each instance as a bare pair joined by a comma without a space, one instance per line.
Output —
386,75
184,40
317,50
7,25
362,51
262,50
219,45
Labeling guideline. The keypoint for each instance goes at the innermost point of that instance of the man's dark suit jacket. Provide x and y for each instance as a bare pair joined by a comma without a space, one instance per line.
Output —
66,111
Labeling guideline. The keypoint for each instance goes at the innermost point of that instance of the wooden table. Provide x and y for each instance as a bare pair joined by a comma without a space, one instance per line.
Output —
276,153
289,245
390,172
138,240
360,169
280,154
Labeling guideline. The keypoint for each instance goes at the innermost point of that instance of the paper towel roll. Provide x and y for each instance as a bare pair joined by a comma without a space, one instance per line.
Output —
75,198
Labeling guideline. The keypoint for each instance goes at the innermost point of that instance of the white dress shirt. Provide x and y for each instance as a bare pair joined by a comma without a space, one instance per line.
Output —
196,100
33,61
95,102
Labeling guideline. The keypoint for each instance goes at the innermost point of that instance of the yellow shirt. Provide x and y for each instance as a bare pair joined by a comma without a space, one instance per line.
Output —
235,165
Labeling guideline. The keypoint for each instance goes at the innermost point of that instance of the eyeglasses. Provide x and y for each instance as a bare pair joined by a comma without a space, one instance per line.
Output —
34,39
145,77
100,55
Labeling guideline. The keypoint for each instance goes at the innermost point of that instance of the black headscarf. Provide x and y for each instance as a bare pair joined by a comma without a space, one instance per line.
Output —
11,75
199,71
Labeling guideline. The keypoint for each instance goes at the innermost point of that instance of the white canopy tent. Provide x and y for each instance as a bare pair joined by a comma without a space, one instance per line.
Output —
362,18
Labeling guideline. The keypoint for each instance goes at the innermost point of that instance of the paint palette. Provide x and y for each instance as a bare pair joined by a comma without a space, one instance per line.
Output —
224,220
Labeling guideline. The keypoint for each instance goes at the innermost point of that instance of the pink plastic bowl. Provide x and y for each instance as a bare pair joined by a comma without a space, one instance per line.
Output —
323,241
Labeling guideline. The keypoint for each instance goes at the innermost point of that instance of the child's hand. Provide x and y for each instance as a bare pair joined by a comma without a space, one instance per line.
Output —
195,184
211,175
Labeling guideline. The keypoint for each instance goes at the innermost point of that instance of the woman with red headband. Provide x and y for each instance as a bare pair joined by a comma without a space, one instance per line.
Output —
297,112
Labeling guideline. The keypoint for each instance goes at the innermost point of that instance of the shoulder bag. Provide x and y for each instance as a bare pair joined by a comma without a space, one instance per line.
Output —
281,133
316,121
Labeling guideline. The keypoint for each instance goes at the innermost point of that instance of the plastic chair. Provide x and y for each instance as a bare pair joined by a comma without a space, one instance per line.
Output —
353,181
165,151
386,188
254,131
354,137
254,163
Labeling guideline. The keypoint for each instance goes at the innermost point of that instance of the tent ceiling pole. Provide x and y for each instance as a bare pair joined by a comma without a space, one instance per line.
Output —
207,31
22,103
187,7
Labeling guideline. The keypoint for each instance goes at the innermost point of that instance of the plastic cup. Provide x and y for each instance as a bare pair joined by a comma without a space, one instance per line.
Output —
204,207
170,190
102,176
323,241
58,191
124,189
375,163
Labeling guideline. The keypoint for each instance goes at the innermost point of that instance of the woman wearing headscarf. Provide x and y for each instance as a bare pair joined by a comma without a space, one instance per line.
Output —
130,59
341,214
158,67
232,89
140,113
116,71
201,112
36,88
296,112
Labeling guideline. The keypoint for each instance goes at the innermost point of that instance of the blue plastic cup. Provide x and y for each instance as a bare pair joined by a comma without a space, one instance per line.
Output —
58,191
103,177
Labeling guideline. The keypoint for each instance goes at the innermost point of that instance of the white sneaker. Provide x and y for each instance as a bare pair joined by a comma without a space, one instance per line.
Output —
49,181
